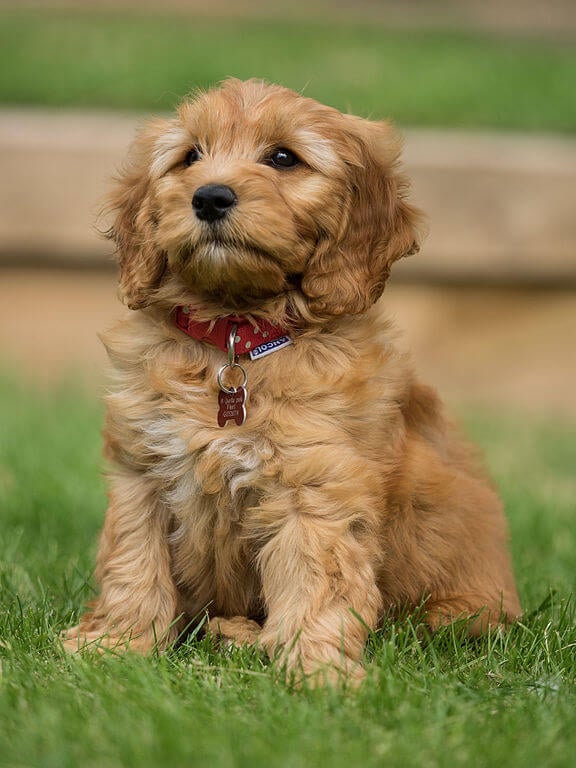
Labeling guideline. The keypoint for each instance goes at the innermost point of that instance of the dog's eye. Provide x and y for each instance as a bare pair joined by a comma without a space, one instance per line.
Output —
282,158
192,156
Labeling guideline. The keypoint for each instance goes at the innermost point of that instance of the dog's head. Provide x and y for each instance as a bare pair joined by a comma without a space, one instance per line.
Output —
253,192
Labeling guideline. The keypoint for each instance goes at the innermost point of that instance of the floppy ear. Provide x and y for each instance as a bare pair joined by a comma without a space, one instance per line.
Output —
348,270
141,262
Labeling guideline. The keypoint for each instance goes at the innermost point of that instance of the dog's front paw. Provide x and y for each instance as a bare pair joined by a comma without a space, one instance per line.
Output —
320,675
99,639
77,639
307,666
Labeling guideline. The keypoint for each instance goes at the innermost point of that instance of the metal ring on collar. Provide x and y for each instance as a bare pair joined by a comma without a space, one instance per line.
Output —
231,390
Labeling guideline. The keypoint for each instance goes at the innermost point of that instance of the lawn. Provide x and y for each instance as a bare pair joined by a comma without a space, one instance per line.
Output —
505,700
429,78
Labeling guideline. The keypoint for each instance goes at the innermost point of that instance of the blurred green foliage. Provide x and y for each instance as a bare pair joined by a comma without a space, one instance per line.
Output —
148,62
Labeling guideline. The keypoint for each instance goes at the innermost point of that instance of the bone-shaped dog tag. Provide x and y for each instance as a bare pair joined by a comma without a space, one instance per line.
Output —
232,407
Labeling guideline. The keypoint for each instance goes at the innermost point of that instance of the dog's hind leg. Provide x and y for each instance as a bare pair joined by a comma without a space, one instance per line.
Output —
476,613
234,631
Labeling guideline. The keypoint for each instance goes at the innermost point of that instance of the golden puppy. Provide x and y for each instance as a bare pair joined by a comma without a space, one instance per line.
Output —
273,459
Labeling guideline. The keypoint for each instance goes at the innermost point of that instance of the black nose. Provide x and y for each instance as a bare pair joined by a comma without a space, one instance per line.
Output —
213,201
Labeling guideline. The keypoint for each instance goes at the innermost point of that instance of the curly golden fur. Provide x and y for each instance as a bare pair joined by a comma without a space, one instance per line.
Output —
345,494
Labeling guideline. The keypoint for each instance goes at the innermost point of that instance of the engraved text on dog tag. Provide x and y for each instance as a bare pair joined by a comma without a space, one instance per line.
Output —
232,407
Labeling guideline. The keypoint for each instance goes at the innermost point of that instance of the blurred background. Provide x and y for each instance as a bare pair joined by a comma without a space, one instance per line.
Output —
483,91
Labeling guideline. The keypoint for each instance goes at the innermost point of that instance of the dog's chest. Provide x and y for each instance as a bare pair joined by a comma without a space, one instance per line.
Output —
204,469
210,490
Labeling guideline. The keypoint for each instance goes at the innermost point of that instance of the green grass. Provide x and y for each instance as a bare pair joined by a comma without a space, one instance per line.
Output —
418,77
505,700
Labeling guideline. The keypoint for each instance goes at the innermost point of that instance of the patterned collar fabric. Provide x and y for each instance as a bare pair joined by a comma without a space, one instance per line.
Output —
249,335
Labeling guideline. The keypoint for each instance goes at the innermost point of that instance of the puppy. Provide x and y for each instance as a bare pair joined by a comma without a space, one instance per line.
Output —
273,460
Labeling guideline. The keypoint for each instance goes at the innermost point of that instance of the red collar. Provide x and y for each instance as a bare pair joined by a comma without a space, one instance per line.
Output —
249,335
